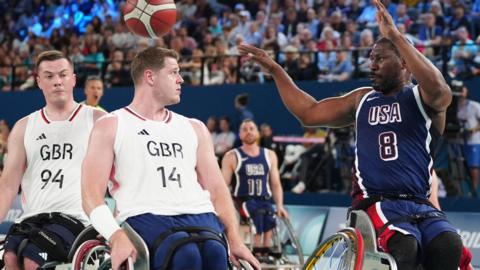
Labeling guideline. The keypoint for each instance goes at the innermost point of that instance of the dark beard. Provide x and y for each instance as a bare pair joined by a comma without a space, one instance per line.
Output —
387,85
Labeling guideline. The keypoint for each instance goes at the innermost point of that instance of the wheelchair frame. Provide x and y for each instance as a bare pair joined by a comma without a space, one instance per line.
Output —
278,245
353,248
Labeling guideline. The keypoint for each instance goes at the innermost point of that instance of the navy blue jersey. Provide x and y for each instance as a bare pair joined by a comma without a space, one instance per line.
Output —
393,146
252,175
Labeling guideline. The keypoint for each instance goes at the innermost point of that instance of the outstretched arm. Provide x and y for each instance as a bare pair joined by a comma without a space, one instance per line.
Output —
14,167
332,112
434,90
210,177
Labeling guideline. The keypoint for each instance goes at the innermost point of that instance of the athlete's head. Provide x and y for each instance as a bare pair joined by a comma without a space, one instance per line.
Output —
55,76
248,132
157,68
93,90
387,69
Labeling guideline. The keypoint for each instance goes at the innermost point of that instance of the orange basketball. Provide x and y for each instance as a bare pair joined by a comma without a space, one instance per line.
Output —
150,18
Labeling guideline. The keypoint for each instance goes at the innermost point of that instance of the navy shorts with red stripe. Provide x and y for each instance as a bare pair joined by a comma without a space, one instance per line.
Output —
425,231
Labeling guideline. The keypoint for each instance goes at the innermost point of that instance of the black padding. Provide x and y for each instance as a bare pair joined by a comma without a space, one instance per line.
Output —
444,252
404,248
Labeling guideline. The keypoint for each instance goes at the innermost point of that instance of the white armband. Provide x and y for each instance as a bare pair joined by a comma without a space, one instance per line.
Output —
103,221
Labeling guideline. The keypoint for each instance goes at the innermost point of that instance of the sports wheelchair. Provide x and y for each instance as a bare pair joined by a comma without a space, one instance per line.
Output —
286,252
86,252
353,248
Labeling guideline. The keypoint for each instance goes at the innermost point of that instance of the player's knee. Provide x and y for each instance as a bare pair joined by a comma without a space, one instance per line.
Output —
214,255
29,264
404,248
446,242
444,251
186,257
11,260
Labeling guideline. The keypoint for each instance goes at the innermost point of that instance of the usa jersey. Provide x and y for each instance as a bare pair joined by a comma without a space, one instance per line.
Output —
393,146
55,151
155,167
252,175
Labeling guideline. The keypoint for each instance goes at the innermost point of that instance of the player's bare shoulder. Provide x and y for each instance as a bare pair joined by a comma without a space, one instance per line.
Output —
106,124
20,127
356,95
199,127
97,113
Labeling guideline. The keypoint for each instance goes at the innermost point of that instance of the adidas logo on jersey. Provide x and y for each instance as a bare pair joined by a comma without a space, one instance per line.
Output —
41,137
44,255
143,132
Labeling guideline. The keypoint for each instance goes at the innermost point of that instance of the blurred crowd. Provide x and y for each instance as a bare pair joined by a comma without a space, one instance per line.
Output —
324,40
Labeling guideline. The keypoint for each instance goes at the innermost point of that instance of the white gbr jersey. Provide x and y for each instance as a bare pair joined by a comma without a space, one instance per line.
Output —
155,167
55,151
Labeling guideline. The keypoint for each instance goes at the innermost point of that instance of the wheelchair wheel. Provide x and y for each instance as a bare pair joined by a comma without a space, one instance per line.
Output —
286,244
90,255
93,255
341,251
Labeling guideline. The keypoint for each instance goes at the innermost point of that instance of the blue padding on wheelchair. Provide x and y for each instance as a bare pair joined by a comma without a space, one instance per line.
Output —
186,249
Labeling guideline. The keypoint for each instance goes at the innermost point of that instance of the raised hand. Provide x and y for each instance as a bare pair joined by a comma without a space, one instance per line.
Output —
385,21
258,55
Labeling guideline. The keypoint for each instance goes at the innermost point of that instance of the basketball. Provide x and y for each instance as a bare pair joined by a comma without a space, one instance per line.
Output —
150,18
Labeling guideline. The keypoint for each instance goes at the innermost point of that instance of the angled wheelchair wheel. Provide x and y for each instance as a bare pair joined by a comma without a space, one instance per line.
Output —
341,251
286,245
95,254
90,255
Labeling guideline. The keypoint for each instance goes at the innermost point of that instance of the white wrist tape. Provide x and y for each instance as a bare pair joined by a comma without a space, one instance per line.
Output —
103,221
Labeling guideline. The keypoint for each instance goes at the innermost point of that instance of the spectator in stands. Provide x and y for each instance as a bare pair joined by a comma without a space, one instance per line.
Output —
367,17
253,36
212,126
312,22
187,40
290,23
337,23
354,10
230,69
214,26
307,70
365,47
402,16
291,61
462,54
212,68
469,114
326,57
430,34
328,35
459,19
225,138
340,70
116,73
273,40
94,60
437,11
192,68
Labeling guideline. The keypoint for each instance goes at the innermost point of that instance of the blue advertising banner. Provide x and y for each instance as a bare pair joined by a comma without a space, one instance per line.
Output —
468,225
308,222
